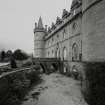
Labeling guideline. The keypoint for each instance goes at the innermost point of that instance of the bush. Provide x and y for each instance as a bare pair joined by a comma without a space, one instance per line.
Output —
20,55
19,84
33,76
27,64
13,100
37,67
13,62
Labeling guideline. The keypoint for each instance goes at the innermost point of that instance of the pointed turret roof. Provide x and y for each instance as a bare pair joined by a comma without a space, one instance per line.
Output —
53,26
76,2
65,13
40,23
58,20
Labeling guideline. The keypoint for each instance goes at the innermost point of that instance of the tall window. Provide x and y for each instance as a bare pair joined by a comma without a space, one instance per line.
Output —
64,33
57,36
74,12
58,53
52,39
64,53
75,52
48,53
52,53
48,42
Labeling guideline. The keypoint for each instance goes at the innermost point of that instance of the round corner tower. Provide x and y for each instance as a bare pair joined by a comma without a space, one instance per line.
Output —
39,44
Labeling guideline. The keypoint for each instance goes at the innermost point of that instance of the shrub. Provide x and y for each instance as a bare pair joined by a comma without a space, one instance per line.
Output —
19,84
37,67
20,55
33,76
27,64
12,100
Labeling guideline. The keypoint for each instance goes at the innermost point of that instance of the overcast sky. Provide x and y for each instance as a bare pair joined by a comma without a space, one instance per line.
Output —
17,18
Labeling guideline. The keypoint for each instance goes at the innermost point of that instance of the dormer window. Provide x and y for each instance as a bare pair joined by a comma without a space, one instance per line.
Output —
75,5
53,26
65,13
58,21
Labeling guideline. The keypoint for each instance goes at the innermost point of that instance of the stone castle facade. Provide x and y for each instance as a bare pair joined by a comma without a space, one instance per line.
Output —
79,35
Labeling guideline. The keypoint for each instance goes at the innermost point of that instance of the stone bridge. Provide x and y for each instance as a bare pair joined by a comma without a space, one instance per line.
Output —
48,64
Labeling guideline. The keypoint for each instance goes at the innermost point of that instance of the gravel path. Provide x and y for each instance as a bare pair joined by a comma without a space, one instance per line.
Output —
55,89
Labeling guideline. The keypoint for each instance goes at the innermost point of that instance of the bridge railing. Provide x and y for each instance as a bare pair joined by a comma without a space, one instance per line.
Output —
46,59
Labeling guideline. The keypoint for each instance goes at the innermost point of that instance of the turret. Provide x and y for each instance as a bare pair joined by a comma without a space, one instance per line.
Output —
39,34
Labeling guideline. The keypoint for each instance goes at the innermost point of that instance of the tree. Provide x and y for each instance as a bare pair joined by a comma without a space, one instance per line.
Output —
13,62
9,53
20,55
2,55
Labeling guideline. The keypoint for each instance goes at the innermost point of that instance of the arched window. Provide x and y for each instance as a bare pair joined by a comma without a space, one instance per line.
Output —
48,54
64,53
64,33
52,53
75,52
58,53
57,36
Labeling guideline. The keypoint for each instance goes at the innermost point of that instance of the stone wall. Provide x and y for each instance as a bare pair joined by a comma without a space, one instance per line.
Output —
93,30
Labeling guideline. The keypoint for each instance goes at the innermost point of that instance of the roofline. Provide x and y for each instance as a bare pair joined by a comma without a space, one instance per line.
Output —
63,25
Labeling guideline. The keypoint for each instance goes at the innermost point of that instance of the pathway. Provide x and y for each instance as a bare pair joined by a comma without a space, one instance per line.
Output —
55,89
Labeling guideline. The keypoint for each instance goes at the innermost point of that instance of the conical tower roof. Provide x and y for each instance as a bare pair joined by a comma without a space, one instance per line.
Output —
40,23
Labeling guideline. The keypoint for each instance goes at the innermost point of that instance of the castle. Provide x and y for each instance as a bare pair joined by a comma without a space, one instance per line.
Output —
79,35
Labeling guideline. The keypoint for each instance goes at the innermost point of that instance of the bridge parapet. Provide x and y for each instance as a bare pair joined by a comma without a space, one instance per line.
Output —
47,59
48,64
